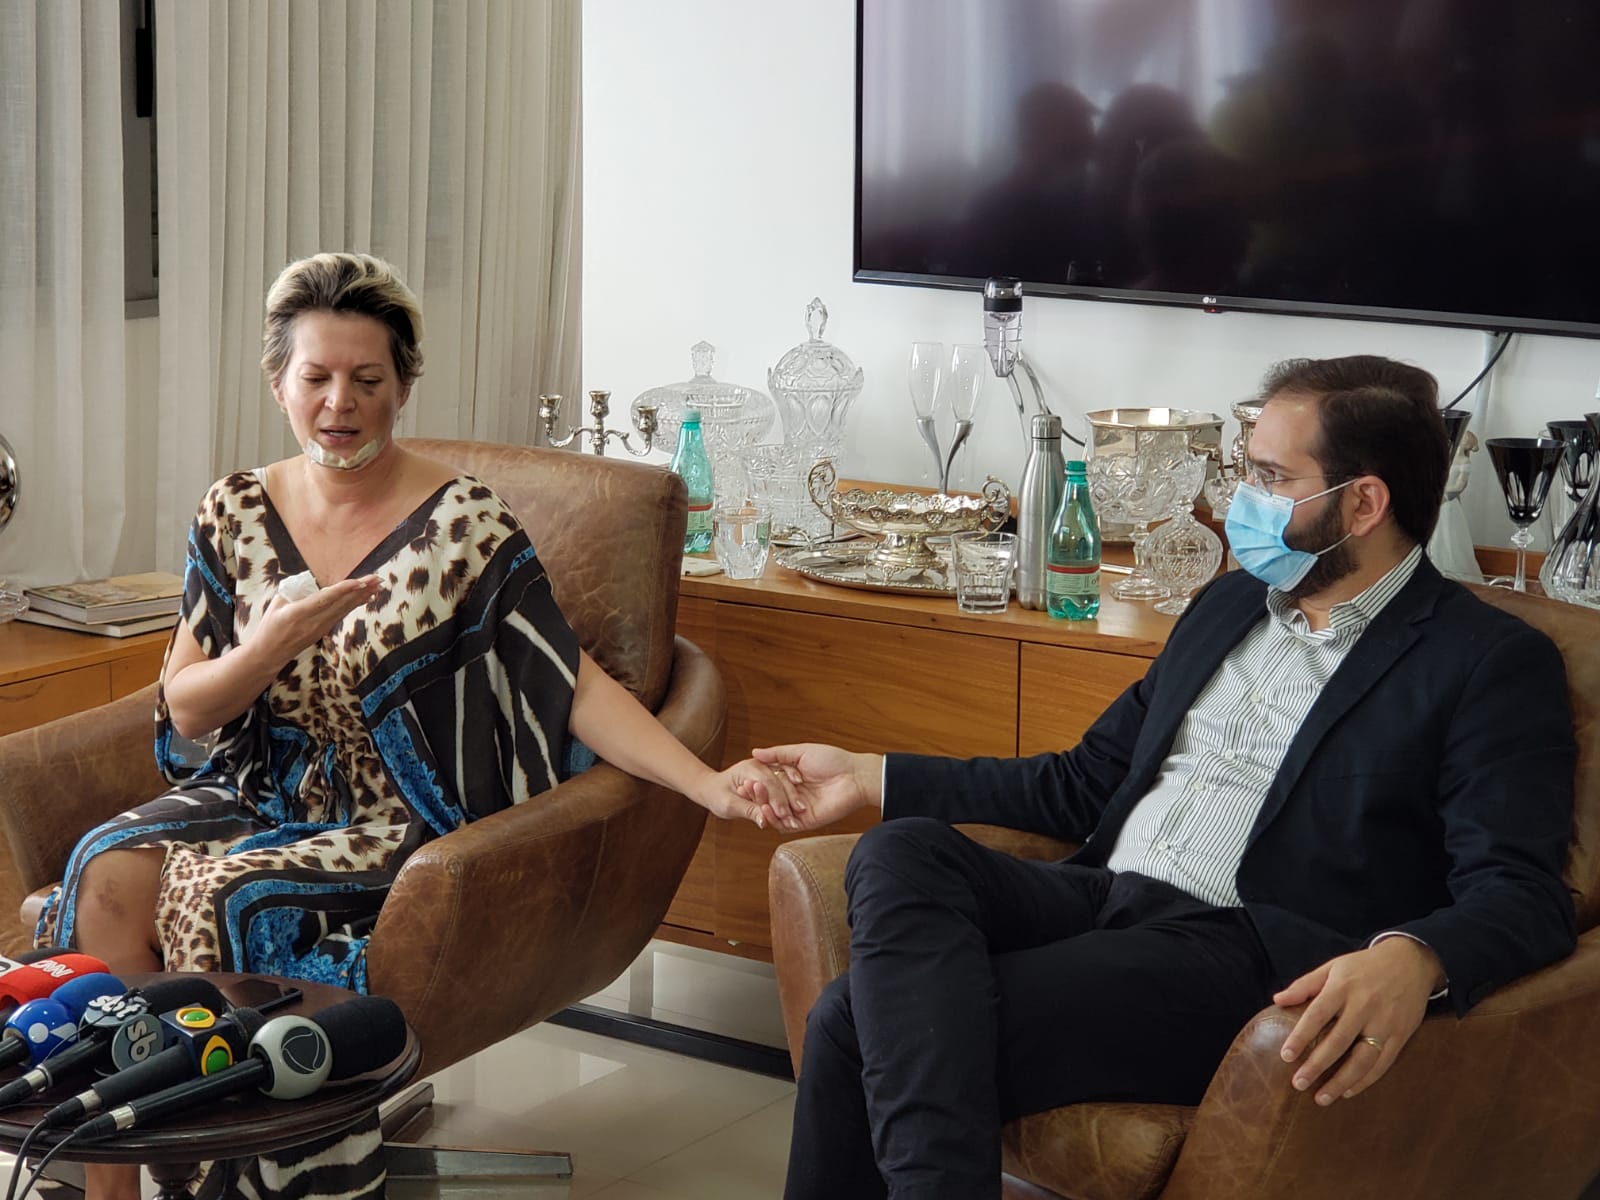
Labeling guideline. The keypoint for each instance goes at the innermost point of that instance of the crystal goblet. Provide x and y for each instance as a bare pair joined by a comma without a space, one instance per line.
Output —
1525,467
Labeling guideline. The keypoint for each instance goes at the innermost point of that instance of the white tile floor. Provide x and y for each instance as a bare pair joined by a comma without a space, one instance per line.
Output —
640,1124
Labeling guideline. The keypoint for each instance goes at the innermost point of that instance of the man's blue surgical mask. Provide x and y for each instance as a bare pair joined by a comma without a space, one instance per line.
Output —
1255,525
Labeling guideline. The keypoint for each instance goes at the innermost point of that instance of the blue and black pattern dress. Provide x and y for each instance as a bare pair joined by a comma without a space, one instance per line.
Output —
443,699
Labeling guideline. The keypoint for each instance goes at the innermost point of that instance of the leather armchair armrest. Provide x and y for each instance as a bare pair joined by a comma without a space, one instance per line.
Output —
1532,1049
553,897
810,932
61,779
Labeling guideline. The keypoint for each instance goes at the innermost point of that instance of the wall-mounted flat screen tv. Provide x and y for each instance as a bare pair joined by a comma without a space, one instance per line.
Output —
1412,160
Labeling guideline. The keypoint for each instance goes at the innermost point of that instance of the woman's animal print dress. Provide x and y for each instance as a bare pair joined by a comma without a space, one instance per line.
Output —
444,698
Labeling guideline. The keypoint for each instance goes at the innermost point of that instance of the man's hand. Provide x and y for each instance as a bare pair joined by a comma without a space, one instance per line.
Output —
753,791
826,783
1363,1008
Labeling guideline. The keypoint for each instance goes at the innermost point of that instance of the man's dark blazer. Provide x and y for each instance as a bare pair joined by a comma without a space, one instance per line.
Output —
1429,789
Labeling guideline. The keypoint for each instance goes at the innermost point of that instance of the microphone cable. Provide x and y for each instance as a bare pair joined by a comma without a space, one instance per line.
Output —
22,1157
38,1172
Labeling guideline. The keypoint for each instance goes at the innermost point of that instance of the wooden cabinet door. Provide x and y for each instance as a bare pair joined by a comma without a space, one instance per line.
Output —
1063,691
863,685
30,702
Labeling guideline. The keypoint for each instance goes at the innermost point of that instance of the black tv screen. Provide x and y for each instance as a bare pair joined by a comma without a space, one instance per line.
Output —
1414,160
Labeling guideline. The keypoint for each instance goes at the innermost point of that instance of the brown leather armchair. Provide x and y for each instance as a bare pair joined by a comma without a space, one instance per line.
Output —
502,923
1502,1103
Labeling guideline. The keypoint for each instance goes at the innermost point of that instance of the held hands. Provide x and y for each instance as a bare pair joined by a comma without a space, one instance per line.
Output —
289,626
750,791
1363,1008
821,783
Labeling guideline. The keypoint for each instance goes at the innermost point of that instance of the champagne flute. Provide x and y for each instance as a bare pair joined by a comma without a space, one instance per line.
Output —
927,369
964,384
1525,467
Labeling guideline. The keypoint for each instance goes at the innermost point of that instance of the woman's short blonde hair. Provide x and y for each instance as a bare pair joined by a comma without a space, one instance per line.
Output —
343,283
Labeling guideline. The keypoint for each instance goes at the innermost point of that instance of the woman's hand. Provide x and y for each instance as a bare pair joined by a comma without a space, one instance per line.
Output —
288,626
751,791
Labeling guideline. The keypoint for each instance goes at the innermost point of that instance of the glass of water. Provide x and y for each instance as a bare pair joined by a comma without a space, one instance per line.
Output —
740,535
983,563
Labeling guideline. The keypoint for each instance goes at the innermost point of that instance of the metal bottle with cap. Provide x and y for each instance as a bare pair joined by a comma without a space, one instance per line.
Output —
1043,479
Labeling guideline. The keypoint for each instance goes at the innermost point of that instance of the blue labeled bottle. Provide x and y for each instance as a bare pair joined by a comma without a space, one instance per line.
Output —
1072,577
693,465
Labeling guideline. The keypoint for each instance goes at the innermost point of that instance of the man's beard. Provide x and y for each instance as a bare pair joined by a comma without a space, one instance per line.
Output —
1333,565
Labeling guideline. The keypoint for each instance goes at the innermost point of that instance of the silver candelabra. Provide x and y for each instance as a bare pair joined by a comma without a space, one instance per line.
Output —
599,408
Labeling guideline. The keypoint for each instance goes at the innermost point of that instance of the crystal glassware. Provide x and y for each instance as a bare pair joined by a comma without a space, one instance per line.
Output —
1578,454
963,385
925,374
1138,489
815,384
732,418
1182,554
1525,467
1571,570
740,537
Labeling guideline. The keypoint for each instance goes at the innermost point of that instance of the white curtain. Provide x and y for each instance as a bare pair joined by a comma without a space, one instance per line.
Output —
63,401
442,135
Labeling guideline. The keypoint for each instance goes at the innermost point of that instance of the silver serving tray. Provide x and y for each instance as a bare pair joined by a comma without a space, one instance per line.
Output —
847,565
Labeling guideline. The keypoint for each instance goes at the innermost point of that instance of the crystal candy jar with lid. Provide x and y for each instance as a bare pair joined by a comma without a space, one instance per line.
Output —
815,384
732,419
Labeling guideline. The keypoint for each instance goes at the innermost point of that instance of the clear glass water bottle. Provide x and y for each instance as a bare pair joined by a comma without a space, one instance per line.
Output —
691,462
1073,574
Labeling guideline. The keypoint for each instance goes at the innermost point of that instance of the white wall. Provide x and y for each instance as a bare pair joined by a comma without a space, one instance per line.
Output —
718,175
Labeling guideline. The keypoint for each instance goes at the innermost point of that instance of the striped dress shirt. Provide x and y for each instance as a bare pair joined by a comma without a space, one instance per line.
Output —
1190,828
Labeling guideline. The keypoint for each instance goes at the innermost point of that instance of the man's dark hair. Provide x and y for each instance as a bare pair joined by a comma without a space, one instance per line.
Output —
1377,417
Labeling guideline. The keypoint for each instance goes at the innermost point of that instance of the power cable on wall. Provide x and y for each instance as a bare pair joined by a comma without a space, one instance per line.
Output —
1505,336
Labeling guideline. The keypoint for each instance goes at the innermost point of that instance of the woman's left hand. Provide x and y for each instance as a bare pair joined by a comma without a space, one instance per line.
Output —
740,792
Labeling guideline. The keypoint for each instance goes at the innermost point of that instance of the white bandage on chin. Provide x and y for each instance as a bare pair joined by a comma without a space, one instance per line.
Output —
327,458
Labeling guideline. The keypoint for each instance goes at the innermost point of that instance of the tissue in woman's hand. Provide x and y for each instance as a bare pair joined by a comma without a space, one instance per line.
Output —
298,587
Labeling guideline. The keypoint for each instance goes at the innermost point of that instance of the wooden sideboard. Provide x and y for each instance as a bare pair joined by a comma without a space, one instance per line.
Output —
48,673
868,670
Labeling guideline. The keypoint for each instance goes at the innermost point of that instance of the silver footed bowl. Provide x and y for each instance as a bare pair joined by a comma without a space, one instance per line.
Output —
906,520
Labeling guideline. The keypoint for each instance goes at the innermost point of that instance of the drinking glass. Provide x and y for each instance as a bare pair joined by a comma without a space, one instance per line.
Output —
1525,467
927,370
1579,448
740,537
983,564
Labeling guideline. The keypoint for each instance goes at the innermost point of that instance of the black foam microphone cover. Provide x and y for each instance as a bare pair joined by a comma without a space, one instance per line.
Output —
40,953
363,1034
167,994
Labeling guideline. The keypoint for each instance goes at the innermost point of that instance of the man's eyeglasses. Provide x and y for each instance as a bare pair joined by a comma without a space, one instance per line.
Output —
1266,480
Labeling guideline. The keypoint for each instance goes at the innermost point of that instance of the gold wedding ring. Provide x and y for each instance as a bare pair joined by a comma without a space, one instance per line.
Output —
1373,1042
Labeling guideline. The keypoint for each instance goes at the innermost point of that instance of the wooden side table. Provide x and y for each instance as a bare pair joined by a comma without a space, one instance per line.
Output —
47,673
247,1125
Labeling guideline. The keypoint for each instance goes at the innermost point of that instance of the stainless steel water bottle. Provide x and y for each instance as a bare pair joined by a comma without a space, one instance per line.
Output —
1042,482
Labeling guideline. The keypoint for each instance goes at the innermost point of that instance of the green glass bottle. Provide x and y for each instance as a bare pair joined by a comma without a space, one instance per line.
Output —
693,464
1072,580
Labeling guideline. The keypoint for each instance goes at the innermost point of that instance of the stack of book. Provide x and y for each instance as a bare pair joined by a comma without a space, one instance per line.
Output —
117,607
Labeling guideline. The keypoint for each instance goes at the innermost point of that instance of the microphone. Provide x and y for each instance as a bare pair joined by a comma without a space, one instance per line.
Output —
290,1057
228,1041
37,980
99,1024
36,1032
7,963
